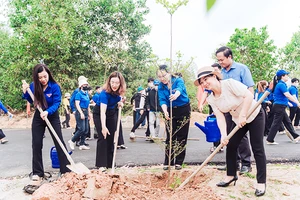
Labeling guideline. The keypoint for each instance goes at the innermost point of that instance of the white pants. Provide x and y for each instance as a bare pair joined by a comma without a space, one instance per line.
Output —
154,117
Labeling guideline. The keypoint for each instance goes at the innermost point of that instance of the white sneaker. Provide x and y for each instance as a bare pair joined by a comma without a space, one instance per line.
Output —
83,147
69,127
71,144
272,143
131,135
281,132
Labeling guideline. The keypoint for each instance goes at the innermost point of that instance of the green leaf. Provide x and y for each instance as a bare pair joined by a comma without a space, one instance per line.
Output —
209,4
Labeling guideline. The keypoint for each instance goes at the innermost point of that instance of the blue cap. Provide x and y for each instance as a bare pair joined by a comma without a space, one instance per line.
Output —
140,88
281,72
156,82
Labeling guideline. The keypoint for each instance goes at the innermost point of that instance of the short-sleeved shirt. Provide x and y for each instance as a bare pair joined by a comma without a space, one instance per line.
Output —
84,99
109,99
95,98
239,72
278,94
294,92
177,85
231,99
52,96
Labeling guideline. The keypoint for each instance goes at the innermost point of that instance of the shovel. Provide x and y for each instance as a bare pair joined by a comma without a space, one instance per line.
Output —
78,168
116,140
236,128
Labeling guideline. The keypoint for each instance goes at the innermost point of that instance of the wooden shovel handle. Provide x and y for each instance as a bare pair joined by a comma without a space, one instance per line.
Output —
236,128
51,129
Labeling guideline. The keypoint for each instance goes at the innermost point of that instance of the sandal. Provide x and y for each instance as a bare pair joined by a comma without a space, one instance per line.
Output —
30,189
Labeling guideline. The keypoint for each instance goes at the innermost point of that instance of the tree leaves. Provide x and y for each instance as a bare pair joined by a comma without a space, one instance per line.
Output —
209,4
253,48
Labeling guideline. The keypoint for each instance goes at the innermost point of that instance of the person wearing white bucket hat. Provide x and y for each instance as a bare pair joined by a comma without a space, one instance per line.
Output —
82,115
232,96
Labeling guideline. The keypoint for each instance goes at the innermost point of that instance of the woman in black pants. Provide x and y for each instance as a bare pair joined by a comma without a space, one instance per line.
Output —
281,98
179,102
108,102
232,96
47,95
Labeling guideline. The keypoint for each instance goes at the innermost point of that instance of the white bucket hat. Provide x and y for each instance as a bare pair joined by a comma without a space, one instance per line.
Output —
82,82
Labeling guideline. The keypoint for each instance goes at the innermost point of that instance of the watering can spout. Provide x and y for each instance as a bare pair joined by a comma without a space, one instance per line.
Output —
202,128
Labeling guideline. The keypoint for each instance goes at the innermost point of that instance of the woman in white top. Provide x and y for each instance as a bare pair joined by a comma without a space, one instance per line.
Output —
232,96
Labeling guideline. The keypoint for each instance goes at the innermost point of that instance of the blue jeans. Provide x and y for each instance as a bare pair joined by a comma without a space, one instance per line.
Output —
137,117
82,127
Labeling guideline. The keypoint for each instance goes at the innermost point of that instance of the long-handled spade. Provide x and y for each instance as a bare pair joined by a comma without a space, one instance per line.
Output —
78,168
236,128
116,137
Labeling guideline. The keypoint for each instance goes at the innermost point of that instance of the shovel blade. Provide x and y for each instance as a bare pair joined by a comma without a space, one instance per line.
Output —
79,168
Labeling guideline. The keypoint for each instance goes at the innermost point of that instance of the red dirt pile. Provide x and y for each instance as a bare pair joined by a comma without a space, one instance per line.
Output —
129,183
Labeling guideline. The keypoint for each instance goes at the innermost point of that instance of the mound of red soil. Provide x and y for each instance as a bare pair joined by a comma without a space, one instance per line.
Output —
129,183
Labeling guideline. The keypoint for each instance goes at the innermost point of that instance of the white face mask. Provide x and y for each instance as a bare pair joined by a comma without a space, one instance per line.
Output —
296,84
150,84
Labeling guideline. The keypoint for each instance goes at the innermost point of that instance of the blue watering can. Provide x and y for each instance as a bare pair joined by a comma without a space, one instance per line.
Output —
54,157
210,129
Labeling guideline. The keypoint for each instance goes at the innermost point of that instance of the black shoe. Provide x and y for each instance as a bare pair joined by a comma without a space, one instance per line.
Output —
77,144
166,167
225,184
259,193
245,169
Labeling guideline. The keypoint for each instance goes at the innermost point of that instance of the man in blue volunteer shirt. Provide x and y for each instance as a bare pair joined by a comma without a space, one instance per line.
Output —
239,72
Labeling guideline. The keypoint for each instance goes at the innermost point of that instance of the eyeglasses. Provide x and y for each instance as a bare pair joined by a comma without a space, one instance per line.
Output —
163,76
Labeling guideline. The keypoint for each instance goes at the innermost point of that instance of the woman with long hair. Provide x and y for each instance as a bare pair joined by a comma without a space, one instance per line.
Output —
281,99
108,102
47,95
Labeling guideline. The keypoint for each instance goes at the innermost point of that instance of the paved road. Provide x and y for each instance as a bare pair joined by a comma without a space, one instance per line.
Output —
16,155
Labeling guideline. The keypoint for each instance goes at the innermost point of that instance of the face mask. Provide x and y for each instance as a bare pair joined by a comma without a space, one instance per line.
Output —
85,88
150,84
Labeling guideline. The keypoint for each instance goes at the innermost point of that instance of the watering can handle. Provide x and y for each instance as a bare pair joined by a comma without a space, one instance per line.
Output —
51,150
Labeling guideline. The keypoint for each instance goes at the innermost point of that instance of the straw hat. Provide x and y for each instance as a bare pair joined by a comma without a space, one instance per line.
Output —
204,71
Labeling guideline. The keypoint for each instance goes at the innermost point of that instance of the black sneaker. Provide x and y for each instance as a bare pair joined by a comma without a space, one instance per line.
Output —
245,169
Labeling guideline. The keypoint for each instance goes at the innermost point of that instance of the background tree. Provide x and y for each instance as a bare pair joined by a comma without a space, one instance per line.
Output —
73,38
255,49
291,55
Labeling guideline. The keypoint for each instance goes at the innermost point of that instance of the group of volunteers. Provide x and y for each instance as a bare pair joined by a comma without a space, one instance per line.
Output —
227,86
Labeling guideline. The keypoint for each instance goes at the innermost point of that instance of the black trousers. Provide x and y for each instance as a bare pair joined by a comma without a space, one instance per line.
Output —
295,111
105,147
181,115
244,152
2,135
140,121
279,117
270,120
256,132
38,129
67,120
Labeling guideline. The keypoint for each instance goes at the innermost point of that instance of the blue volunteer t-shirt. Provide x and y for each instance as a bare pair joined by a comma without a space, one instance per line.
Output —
279,97
110,100
52,96
293,91
164,93
84,99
